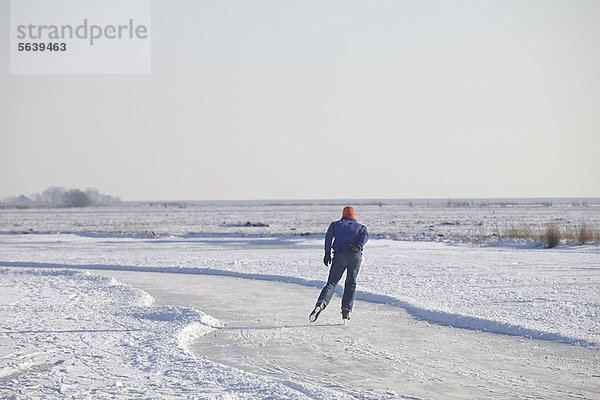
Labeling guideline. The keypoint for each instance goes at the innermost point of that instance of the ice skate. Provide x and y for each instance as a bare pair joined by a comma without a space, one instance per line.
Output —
316,312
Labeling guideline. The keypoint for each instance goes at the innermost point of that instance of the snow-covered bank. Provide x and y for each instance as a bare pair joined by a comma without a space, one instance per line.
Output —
546,294
69,334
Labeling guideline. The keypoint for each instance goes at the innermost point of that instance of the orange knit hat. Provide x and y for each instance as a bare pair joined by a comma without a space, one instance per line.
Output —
348,212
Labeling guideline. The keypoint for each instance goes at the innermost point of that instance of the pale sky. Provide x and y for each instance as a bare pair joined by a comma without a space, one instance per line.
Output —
323,100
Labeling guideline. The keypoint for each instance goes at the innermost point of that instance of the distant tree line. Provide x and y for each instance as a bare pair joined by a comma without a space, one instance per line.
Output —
61,197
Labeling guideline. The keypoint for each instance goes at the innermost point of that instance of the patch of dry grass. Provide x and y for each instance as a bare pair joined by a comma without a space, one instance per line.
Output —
553,234
587,234
582,233
520,232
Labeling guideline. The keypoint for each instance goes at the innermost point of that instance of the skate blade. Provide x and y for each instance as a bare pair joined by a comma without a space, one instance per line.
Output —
314,314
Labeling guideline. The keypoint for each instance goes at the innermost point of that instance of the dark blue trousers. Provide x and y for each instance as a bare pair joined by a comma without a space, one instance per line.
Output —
345,261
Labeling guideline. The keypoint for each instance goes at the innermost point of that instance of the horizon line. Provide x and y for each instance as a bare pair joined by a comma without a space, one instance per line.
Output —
375,199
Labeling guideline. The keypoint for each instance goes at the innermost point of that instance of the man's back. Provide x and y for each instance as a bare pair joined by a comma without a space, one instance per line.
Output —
347,232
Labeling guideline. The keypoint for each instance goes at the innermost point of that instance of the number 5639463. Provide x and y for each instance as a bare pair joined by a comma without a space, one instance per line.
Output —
50,46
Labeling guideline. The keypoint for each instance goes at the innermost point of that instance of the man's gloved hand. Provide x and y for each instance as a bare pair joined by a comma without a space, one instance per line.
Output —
327,259
354,248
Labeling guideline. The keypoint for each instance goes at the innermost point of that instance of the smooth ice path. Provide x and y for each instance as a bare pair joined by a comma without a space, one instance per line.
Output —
383,352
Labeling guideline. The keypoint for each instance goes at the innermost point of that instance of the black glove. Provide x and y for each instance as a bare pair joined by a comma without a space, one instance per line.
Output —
354,248
327,259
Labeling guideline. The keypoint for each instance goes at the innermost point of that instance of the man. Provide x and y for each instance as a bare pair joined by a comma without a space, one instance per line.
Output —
350,238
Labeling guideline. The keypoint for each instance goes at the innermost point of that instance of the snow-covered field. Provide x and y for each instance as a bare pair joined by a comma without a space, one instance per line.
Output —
70,333
419,220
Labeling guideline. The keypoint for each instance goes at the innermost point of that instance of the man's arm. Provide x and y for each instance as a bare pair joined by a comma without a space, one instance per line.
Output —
363,237
329,238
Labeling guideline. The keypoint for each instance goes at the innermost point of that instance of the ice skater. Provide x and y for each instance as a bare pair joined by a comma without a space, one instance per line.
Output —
350,238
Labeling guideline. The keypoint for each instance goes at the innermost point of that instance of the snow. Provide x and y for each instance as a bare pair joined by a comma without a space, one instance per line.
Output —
70,328
70,334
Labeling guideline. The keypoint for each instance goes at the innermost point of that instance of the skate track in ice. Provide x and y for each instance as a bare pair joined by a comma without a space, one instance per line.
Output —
382,353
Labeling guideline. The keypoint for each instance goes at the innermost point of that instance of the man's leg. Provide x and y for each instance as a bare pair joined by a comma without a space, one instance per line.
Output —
350,286
335,274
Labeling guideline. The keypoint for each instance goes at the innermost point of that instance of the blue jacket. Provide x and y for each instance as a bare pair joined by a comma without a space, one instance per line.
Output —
346,231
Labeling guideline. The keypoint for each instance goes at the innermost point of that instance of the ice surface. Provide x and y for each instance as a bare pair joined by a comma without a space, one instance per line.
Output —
384,353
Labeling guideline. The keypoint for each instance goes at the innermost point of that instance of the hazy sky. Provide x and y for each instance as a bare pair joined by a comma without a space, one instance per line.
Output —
323,99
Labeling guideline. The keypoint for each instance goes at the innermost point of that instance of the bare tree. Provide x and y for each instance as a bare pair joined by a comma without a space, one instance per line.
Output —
52,195
76,198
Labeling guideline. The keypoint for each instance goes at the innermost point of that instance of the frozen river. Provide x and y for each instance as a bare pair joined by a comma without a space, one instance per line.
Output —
382,353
